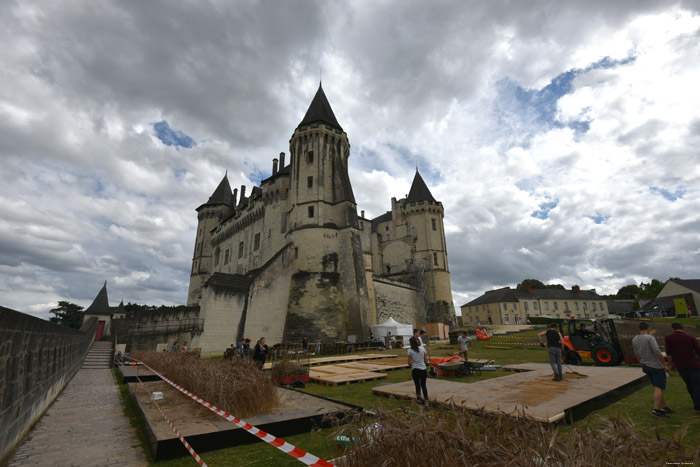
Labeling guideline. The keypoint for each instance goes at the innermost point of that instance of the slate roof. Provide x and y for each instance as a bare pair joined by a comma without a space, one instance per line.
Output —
419,190
222,194
378,220
320,111
233,282
506,294
692,284
100,306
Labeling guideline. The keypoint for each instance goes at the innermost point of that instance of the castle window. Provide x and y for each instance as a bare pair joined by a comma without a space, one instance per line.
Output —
310,157
413,231
534,306
309,182
227,256
388,237
311,212
585,306
386,228
435,260
240,250
217,256
526,306
296,253
576,305
505,307
388,269
566,306
269,233
593,306
256,242
556,305
434,224
546,306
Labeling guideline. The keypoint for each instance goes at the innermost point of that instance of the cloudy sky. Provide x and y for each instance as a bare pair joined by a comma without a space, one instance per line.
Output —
562,137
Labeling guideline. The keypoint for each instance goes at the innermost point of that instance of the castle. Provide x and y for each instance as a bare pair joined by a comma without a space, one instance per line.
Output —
294,259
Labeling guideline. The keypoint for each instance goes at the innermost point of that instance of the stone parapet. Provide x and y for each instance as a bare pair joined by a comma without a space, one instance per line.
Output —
37,359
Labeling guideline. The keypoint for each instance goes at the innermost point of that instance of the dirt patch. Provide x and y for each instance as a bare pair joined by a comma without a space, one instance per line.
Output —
542,389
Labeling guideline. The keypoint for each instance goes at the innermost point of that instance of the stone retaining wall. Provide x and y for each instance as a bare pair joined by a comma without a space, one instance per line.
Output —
37,359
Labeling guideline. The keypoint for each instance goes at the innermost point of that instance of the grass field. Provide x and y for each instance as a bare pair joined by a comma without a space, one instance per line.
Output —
636,406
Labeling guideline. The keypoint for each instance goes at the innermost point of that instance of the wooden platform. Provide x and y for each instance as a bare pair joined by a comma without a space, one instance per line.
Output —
336,359
205,431
355,372
531,392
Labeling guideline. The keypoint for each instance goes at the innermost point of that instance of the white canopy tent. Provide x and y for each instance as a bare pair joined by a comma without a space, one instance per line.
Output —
394,327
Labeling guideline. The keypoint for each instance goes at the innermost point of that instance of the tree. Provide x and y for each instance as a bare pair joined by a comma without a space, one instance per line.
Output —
536,284
652,289
628,292
67,314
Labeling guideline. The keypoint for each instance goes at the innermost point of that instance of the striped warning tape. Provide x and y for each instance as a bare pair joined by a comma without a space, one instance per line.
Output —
282,445
189,448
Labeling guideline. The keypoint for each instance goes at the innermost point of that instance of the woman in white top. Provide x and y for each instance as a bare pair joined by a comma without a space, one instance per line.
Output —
418,359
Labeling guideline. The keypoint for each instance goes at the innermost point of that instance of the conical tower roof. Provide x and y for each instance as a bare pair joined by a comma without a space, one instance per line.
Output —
100,306
419,190
320,111
222,194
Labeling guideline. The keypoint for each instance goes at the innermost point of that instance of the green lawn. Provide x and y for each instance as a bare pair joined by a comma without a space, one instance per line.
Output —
636,406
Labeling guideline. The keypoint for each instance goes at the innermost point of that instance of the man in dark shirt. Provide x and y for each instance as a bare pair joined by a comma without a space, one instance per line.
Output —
555,347
683,351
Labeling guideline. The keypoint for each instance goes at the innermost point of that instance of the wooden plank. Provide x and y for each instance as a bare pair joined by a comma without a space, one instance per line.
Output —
530,392
335,380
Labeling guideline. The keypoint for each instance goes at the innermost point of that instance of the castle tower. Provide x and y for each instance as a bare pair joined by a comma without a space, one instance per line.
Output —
324,229
209,214
321,193
425,216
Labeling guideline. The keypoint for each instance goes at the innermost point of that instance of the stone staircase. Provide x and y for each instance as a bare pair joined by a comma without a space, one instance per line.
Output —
99,356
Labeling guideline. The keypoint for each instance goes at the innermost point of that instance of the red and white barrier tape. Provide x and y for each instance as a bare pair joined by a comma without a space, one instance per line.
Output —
189,448
282,445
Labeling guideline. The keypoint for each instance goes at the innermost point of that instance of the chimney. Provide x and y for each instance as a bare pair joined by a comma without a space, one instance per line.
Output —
527,288
576,289
362,214
235,196
274,166
393,203
281,160
242,192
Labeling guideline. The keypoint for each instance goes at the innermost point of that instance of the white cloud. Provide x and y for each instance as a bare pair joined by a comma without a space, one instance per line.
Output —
90,194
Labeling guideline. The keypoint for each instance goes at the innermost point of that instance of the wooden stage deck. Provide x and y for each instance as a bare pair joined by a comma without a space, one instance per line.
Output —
531,391
335,359
355,372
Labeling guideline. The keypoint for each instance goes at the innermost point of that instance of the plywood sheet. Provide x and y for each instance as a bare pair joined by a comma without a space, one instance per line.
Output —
530,392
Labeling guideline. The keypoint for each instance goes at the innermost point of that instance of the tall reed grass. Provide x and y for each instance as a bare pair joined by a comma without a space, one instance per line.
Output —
236,386
451,437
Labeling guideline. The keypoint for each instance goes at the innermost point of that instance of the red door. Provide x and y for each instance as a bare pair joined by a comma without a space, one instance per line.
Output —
100,330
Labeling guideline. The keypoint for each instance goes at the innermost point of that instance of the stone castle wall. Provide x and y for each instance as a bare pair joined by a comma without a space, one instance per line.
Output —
399,301
37,360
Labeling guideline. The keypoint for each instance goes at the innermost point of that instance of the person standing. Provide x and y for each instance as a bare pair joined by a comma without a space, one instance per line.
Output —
683,352
418,359
555,349
305,345
183,349
260,353
175,347
465,344
423,336
653,365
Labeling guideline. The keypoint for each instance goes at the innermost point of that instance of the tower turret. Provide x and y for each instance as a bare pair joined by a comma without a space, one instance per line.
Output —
424,216
209,214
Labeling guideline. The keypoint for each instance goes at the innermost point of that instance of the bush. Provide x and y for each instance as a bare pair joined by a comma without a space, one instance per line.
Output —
288,368
237,386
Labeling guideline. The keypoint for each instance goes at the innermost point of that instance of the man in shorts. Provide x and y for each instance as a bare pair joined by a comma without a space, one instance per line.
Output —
653,365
